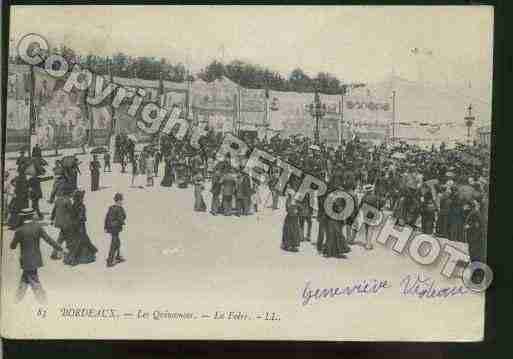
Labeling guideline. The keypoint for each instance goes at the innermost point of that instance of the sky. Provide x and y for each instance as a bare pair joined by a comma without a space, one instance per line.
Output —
357,44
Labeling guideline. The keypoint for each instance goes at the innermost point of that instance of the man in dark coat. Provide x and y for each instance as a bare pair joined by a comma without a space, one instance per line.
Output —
442,224
22,161
58,184
244,192
21,196
94,167
158,158
114,222
36,151
228,190
62,218
106,162
28,237
322,219
225,165
35,194
215,189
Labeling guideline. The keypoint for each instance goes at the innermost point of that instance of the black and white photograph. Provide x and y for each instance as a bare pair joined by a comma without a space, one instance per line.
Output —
247,172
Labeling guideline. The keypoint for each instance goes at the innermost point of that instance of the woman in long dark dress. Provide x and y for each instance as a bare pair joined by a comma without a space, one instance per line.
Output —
94,167
456,219
291,234
474,233
334,243
428,210
442,223
181,172
167,181
81,251
215,189
335,246
305,218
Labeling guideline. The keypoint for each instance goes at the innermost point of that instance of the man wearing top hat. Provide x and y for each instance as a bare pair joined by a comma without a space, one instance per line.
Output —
28,238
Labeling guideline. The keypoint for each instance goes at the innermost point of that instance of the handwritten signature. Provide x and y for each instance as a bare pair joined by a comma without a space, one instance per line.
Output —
363,287
418,286
426,288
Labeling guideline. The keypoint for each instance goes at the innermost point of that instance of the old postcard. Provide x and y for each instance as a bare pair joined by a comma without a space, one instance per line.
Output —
247,172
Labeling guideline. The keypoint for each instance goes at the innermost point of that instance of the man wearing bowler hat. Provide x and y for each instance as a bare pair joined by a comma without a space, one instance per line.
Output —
114,223
28,237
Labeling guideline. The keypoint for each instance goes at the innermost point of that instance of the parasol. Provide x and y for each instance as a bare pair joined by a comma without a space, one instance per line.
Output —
399,156
98,150
132,137
432,183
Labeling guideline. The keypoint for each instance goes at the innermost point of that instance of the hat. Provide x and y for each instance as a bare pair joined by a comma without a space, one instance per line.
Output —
26,213
368,188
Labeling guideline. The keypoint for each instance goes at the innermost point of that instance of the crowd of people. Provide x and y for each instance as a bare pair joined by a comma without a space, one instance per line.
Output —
69,215
439,191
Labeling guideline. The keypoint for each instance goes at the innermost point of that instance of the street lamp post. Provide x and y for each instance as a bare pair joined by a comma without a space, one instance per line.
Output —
317,110
188,98
469,121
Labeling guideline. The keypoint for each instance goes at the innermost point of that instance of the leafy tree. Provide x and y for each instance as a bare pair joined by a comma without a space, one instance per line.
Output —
328,83
215,70
299,81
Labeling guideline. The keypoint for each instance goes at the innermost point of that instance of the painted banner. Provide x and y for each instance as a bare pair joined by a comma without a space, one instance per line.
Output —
101,118
62,120
358,109
17,108
214,103
370,118
175,95
214,96
291,111
252,100
252,108
124,123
